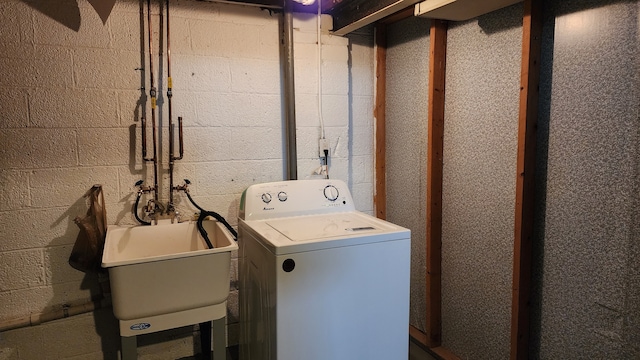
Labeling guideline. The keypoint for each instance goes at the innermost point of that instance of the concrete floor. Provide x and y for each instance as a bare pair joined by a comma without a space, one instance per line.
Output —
415,353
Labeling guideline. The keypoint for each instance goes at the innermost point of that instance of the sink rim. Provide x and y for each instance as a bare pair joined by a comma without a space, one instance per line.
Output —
109,256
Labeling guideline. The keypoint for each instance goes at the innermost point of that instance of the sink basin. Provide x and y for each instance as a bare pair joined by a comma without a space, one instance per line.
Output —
164,276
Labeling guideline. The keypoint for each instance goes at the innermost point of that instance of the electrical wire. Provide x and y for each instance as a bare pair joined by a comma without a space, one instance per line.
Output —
319,34
326,163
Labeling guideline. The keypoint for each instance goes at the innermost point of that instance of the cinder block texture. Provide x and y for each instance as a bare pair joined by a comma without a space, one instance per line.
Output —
255,76
479,178
336,102
73,91
237,109
14,195
21,269
361,147
14,111
106,68
406,136
58,108
38,148
361,64
52,29
17,26
35,66
587,303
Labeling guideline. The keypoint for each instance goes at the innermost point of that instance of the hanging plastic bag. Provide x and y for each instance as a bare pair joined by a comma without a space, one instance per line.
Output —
86,255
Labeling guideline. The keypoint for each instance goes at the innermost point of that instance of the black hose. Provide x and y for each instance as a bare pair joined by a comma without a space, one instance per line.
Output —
202,231
135,210
203,214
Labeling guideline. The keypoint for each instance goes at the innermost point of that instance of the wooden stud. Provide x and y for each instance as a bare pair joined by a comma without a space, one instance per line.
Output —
380,196
436,352
437,67
444,354
525,179
418,335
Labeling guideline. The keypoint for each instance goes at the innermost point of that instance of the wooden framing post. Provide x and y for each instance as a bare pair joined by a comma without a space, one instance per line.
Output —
380,195
437,67
525,179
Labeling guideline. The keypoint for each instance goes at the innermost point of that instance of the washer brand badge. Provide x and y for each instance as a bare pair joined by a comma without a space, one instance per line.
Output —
140,326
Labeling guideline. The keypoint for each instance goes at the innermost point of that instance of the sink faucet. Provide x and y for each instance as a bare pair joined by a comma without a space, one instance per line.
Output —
173,213
153,209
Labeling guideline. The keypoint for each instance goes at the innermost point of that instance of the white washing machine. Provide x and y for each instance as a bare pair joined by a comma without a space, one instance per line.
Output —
318,279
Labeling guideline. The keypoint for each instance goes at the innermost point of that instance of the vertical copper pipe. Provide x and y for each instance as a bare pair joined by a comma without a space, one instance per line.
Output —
172,157
152,93
169,96
143,118
143,125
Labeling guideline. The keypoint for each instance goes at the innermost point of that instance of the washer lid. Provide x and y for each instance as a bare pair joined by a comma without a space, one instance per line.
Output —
288,235
325,226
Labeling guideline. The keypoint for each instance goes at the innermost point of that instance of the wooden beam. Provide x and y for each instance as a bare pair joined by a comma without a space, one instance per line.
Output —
327,5
379,113
437,67
525,179
354,14
444,354
437,352
272,4
418,335
400,15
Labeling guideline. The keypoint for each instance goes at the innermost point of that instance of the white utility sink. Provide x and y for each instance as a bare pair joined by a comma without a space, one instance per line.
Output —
164,276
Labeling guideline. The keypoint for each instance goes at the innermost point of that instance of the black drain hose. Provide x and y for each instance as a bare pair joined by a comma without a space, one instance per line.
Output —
135,210
203,215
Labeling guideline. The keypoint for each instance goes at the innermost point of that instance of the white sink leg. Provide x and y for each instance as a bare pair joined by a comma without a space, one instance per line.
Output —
128,348
219,341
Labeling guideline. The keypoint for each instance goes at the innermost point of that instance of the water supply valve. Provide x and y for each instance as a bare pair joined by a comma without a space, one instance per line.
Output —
184,187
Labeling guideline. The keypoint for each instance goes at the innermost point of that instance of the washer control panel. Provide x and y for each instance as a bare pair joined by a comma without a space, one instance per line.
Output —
295,197
331,193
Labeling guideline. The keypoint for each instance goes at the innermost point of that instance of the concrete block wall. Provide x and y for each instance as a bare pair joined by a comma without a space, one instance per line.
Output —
360,131
70,108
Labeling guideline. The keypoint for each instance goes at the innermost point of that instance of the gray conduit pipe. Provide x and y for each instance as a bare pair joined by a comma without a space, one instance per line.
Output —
291,160
62,312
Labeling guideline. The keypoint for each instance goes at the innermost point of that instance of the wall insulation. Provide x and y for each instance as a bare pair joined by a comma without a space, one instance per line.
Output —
586,269
588,245
480,144
406,137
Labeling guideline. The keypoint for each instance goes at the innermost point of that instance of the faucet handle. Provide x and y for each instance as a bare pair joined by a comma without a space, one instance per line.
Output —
184,187
151,207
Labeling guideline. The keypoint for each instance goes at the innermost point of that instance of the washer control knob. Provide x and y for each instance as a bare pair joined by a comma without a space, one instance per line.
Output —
331,193
282,196
266,197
